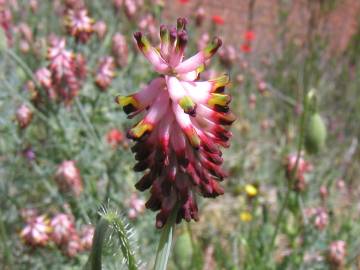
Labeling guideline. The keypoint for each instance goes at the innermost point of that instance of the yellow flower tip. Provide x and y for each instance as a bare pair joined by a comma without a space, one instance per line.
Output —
200,68
219,99
246,216
188,105
193,137
221,81
251,190
140,130
128,103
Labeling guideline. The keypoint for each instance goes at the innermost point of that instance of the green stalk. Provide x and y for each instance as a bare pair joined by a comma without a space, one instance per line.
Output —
164,247
94,262
293,172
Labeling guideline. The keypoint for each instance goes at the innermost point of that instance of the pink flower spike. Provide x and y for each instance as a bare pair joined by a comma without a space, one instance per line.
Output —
178,140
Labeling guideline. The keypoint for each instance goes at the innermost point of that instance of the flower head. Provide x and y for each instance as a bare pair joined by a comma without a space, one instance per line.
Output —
79,24
37,231
67,71
337,253
68,177
23,116
63,226
114,137
105,72
120,50
185,123
302,167
86,237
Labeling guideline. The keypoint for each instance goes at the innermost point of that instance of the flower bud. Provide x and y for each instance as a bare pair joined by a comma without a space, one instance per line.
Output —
315,136
63,226
86,237
68,178
23,116
100,29
183,251
36,232
337,254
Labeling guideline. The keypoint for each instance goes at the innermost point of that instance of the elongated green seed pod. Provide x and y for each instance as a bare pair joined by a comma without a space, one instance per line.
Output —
315,136
183,251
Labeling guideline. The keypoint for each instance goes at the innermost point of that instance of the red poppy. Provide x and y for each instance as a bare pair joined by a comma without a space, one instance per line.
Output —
249,35
114,137
184,1
217,19
246,47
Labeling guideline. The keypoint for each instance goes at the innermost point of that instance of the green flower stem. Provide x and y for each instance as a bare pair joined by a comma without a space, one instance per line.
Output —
293,172
94,262
164,247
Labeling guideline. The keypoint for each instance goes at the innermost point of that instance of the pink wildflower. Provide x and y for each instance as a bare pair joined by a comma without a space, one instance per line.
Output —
79,24
86,237
63,226
68,177
120,50
100,29
73,245
199,16
37,231
23,116
67,70
337,253
105,73
303,167
136,206
178,139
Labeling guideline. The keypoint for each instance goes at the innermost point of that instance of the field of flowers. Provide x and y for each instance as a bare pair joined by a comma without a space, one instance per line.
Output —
134,139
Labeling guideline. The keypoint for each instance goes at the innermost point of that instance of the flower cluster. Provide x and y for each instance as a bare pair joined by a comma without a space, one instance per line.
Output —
63,77
302,167
120,50
185,123
319,216
68,178
105,72
23,116
60,229
337,254
79,24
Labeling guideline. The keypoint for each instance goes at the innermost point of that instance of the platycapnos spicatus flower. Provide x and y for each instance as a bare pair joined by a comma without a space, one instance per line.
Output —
185,123
79,24
37,231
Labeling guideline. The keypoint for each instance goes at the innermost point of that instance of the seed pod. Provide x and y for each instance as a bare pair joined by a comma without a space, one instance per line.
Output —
183,251
315,136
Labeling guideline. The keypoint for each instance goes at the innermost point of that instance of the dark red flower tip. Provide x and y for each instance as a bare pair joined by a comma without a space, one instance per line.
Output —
184,1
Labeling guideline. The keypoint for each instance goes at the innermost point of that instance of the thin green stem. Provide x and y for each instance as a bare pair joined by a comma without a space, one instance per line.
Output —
164,248
293,173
